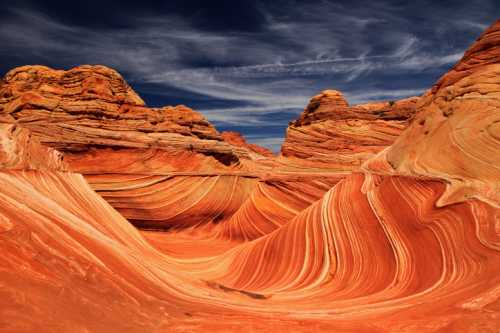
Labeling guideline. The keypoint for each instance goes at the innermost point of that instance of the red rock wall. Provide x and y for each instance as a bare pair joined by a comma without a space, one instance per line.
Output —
332,135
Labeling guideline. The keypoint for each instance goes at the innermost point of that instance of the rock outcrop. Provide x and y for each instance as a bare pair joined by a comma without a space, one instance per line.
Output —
91,114
88,120
457,129
237,139
330,134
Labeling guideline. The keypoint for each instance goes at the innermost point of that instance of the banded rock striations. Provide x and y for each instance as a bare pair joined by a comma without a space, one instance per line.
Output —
98,126
90,111
457,128
330,134
392,229
237,139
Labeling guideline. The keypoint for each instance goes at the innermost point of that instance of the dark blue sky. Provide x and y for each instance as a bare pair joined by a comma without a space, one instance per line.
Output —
250,66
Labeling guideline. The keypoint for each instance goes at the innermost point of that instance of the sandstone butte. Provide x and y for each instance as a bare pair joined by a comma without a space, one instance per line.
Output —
381,217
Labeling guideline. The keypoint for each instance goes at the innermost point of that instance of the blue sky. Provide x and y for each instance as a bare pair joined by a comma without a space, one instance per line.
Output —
249,66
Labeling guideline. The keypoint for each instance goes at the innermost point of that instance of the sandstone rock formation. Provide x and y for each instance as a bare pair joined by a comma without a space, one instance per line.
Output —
90,113
98,126
457,128
19,150
237,139
330,134
392,229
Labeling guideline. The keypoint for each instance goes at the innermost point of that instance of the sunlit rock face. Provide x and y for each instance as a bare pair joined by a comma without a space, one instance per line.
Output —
237,139
273,203
98,126
110,224
91,114
332,135
457,129
20,150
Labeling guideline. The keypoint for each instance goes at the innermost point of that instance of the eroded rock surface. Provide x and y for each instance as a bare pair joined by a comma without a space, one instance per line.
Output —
237,139
330,134
457,129
90,112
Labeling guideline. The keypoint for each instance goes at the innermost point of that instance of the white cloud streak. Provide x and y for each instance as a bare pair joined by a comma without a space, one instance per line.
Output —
310,48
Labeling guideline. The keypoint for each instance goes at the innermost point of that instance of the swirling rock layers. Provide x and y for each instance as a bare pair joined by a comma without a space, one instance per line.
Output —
237,139
457,129
350,258
93,123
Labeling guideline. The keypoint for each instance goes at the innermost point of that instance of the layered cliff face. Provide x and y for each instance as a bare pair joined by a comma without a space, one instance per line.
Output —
98,126
93,116
457,129
398,234
332,135
237,139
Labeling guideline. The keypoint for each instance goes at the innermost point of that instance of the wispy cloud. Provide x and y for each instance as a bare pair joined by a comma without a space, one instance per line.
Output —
376,51
361,96
474,25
